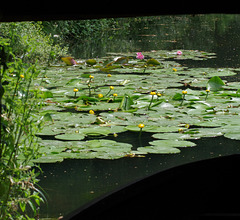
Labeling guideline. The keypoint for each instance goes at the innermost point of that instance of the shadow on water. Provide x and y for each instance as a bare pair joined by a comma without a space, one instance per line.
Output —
73,183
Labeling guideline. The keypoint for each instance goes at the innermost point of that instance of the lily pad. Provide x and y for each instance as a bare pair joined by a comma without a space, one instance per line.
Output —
215,83
158,150
95,131
91,62
152,61
172,136
232,132
172,143
49,131
153,129
73,137
48,159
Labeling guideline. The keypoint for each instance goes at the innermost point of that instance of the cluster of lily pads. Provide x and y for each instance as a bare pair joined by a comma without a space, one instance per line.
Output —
92,100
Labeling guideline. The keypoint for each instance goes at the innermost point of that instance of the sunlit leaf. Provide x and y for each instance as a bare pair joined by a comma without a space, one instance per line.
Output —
49,159
152,61
73,137
91,62
126,102
215,83
158,150
172,143
122,60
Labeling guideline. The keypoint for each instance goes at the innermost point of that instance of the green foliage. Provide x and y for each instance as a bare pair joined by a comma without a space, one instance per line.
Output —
77,29
18,126
29,42
79,34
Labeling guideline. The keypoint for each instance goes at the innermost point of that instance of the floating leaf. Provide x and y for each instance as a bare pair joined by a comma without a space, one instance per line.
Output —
232,132
158,150
122,60
215,83
172,136
74,82
152,61
154,129
72,137
91,62
172,143
95,131
48,159
49,131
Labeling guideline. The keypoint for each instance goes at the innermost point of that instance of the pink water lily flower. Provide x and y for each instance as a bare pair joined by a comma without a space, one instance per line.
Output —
140,56
73,62
179,52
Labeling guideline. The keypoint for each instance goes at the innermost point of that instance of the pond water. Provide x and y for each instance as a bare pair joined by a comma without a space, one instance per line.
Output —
75,182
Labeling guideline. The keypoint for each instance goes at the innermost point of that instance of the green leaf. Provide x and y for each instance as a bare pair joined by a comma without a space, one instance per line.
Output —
172,143
215,83
177,97
44,94
159,150
154,128
122,60
47,117
91,62
74,82
95,131
152,61
22,205
126,102
49,159
232,132
33,207
72,137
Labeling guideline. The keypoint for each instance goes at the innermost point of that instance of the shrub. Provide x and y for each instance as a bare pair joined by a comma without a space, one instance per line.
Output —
30,43
18,125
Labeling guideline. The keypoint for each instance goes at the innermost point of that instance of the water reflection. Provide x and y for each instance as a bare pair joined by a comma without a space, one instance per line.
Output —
212,33
73,183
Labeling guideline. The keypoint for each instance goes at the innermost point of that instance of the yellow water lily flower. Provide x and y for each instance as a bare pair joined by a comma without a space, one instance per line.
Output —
91,112
153,93
184,92
141,125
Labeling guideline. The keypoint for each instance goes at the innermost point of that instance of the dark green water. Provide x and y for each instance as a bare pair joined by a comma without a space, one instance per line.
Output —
73,183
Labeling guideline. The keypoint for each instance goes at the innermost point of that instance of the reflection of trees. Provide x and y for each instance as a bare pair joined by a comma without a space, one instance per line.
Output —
200,32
